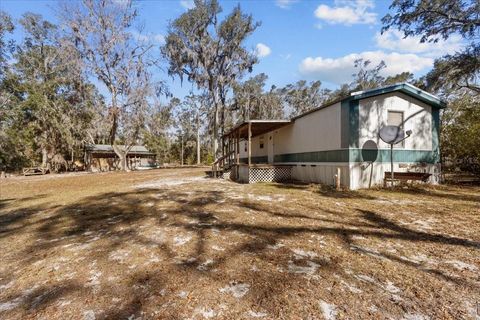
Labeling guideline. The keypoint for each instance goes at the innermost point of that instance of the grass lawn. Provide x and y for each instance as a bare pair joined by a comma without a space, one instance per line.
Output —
171,244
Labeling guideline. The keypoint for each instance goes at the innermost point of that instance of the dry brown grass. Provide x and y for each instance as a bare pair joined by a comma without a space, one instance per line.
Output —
169,244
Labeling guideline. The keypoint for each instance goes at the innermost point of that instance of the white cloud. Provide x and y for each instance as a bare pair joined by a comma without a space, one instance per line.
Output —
340,70
284,4
393,40
158,38
187,4
347,12
122,3
262,50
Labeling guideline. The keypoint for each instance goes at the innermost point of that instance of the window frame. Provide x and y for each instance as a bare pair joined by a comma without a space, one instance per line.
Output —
402,125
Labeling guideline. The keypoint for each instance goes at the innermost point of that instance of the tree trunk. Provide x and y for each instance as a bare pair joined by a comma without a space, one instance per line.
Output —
181,151
122,156
44,157
198,140
215,132
214,94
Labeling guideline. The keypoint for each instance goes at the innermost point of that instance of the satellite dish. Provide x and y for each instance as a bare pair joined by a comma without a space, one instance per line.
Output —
392,134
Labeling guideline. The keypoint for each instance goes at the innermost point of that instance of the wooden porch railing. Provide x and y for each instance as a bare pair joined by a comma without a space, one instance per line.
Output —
220,163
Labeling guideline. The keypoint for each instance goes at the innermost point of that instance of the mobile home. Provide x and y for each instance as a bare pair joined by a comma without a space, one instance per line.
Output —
339,141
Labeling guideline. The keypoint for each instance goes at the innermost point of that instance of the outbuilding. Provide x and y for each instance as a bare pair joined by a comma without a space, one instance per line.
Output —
101,157
339,142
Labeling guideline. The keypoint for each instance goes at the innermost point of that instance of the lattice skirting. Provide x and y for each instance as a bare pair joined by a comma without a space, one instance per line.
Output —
270,174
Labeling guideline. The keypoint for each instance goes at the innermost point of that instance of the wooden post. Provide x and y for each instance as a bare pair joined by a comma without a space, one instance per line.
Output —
237,155
249,144
229,149
338,179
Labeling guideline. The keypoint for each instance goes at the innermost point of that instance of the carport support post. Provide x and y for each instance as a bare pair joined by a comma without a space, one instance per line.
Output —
249,144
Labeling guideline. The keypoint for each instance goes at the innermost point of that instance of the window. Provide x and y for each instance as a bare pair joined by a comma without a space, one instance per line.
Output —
261,142
395,118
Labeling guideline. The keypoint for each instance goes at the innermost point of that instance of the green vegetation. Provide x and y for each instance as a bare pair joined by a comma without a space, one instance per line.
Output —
50,82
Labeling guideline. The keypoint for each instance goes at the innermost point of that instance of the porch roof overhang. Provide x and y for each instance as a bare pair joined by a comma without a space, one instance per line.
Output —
258,127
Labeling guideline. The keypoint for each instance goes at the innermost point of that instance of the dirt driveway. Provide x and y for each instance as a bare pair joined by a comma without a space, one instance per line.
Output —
171,244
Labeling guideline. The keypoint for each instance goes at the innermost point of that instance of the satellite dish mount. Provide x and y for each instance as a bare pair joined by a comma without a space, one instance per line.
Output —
393,135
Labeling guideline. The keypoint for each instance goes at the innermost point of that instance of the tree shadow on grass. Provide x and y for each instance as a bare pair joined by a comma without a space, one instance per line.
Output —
323,190
117,218
414,235
434,193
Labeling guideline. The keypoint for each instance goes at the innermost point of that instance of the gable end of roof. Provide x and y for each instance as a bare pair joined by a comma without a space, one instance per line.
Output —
405,88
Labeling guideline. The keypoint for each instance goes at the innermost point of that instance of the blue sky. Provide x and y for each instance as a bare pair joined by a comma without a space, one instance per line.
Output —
312,40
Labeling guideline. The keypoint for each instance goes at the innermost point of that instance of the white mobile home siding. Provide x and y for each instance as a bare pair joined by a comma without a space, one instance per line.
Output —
317,131
337,136
372,116
314,132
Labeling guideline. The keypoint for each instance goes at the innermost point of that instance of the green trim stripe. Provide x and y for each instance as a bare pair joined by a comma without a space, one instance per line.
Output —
356,155
383,155
317,156
259,159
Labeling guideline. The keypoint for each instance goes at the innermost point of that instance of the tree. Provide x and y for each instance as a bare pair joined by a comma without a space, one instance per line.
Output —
50,103
194,110
6,46
460,134
250,101
210,53
366,77
46,76
398,78
455,72
102,33
185,125
433,20
301,97
156,135
6,145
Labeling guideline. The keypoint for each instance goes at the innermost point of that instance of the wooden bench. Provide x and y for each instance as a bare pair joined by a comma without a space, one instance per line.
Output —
35,171
406,176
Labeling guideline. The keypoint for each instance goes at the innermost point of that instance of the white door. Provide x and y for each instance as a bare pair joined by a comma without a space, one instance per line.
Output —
270,148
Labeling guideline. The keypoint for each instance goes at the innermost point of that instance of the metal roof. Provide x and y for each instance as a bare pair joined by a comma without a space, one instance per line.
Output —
404,87
258,127
106,148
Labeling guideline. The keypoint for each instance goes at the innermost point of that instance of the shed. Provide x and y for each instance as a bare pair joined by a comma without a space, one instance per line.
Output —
101,157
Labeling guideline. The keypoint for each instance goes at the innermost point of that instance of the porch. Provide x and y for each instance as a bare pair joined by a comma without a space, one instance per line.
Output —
252,167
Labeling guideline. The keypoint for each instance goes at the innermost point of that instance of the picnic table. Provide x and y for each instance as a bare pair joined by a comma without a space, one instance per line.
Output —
35,171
